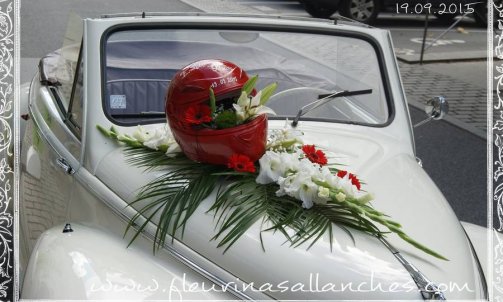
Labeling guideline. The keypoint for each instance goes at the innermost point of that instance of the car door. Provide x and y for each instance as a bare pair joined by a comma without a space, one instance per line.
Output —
51,148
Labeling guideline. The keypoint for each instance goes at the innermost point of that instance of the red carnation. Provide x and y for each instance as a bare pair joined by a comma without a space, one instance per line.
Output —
354,180
315,156
198,114
241,163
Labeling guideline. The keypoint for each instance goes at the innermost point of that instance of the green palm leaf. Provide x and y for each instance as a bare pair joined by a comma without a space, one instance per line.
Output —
183,184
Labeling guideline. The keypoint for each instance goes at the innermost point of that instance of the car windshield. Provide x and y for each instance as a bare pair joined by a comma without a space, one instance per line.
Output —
140,64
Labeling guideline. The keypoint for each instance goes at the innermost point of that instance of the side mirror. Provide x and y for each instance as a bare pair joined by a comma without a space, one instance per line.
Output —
436,108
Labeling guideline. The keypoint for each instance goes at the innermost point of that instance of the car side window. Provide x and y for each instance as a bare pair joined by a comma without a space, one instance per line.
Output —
66,80
58,70
61,71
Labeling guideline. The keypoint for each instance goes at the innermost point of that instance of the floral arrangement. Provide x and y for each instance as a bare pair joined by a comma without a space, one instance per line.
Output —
232,112
291,187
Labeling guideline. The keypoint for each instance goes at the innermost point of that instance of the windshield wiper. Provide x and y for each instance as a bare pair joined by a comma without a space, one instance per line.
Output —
325,98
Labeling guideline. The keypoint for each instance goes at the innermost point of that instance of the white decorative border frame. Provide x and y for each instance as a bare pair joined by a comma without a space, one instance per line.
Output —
17,145
8,15
495,152
9,149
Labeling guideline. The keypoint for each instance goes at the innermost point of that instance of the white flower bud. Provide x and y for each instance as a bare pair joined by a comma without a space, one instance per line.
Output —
340,197
365,198
323,192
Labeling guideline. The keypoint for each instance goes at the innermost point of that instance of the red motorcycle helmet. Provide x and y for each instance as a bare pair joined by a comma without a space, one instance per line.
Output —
190,87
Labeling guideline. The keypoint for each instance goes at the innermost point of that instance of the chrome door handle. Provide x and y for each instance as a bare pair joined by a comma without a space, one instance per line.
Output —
62,163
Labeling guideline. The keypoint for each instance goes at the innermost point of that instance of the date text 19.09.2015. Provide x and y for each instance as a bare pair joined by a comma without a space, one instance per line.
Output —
438,8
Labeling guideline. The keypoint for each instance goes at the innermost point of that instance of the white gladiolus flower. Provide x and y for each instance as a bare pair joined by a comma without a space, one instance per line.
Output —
299,186
161,138
270,168
290,162
286,139
346,185
306,166
327,176
289,133
304,180
308,189
274,165
284,184
142,135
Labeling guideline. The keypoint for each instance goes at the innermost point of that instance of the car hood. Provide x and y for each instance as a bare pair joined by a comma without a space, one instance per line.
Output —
359,269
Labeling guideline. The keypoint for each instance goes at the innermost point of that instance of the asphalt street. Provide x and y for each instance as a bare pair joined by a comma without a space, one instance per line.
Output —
456,161
454,157
43,23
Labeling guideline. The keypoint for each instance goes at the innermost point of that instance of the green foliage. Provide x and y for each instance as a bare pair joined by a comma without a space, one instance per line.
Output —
267,93
243,202
250,84
213,102
226,119
126,139
175,195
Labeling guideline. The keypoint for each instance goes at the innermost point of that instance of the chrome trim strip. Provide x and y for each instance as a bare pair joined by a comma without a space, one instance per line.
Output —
482,276
428,289
143,15
396,71
138,80
177,249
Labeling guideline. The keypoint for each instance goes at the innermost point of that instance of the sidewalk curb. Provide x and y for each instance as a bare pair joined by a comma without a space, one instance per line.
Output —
416,60
442,57
216,6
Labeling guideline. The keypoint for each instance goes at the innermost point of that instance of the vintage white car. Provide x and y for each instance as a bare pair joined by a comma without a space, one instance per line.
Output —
337,82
